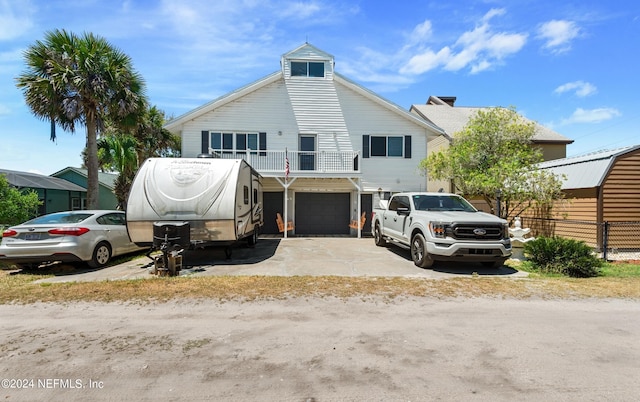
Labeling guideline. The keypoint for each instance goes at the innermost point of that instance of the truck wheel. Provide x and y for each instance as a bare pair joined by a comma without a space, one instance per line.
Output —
419,253
377,236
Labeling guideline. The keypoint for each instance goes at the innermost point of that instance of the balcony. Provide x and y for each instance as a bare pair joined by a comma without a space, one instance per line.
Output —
301,163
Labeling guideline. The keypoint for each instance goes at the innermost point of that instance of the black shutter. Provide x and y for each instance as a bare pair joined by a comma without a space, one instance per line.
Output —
365,146
407,146
204,148
262,143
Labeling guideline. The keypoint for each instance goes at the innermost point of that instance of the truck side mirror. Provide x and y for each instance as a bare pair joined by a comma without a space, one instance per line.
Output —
403,211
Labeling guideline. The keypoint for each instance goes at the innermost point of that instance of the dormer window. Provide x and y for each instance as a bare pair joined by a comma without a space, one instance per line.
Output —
307,69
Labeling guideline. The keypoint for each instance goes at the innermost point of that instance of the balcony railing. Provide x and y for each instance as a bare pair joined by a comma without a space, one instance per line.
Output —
272,163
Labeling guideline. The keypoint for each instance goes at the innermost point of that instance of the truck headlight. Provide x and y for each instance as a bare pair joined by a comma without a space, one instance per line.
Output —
439,230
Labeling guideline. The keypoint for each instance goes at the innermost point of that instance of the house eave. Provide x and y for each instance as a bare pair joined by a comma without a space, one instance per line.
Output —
434,130
176,124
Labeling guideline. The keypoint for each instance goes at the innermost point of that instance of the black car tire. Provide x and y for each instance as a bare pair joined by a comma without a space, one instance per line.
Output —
419,253
101,255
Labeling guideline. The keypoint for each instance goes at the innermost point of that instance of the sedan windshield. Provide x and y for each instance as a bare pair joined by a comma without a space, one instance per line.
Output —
442,203
60,217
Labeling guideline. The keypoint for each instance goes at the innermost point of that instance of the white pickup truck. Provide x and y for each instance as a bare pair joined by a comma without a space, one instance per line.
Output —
441,227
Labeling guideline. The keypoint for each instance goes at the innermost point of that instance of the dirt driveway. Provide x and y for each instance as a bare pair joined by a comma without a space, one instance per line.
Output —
321,349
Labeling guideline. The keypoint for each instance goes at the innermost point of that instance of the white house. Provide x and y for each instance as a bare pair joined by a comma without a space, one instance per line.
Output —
343,146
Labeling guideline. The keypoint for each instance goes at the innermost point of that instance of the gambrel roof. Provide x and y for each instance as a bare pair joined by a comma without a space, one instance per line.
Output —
586,171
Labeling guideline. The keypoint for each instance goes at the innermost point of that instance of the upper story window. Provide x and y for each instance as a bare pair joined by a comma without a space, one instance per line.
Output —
386,145
307,69
234,142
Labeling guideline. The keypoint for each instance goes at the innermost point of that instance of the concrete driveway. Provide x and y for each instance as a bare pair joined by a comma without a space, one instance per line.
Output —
297,256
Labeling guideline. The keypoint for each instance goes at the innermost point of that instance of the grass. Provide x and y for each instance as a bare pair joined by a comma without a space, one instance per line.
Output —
619,280
622,269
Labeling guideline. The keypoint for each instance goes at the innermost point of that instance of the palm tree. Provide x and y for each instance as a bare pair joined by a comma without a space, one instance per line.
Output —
124,148
84,80
153,139
118,153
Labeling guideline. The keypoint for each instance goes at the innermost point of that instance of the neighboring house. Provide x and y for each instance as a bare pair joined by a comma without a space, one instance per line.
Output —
599,187
107,199
344,146
55,194
442,112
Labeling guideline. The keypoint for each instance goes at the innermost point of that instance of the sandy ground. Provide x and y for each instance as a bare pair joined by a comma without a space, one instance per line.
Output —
323,349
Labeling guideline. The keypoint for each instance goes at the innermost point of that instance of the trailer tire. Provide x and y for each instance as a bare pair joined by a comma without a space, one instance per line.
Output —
253,239
419,253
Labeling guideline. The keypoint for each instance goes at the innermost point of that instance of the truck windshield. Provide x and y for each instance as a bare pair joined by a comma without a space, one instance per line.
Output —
442,203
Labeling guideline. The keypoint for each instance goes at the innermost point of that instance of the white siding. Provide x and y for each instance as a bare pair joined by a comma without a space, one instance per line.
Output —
317,111
266,110
363,116
324,108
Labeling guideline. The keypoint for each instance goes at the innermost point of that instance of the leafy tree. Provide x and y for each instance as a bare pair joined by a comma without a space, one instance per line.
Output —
118,153
153,139
16,206
123,149
81,80
492,153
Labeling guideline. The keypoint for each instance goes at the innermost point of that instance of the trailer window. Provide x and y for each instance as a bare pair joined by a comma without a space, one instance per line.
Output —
255,195
246,195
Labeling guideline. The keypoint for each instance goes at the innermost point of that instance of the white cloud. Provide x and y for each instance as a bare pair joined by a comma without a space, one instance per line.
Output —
427,61
558,35
592,116
422,32
301,10
14,19
580,88
478,50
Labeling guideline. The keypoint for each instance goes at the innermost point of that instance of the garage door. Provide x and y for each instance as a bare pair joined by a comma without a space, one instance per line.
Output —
322,213
273,204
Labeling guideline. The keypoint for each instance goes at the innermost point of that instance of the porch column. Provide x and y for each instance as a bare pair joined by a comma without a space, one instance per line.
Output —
358,187
285,184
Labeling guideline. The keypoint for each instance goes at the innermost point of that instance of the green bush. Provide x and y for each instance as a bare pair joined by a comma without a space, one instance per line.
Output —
563,256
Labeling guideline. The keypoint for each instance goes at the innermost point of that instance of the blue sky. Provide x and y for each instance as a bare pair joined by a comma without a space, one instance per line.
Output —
570,65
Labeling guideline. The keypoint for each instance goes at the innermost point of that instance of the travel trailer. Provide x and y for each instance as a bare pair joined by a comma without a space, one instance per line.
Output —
213,202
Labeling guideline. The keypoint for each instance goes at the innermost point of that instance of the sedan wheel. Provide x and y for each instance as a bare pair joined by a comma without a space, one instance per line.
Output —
419,253
101,255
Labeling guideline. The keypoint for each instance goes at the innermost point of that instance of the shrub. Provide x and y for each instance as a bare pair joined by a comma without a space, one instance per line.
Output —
563,256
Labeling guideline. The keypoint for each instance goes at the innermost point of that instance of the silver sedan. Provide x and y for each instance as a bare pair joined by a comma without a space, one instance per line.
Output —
92,236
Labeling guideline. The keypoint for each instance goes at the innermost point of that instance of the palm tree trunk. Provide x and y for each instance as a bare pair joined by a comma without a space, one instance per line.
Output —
92,163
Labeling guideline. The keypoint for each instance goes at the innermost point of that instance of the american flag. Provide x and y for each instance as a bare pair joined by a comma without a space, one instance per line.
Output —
286,166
